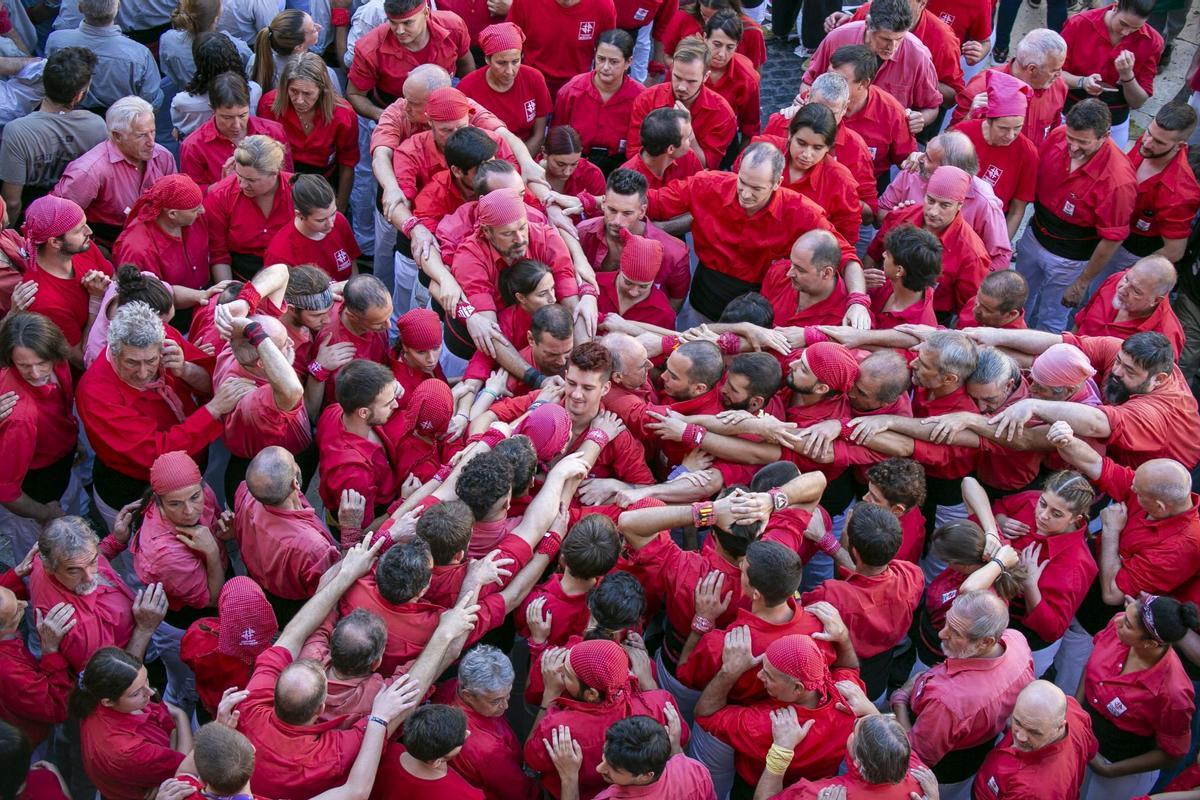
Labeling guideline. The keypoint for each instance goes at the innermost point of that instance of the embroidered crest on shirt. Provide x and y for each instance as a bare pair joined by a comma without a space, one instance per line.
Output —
342,259
641,14
586,31
1116,707
993,786
992,175
946,18
530,110
249,638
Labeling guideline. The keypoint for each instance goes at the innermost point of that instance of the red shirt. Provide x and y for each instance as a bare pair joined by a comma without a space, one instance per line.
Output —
477,266
941,40
653,309
203,154
129,428
40,430
329,142
739,87
437,199
713,120
777,288
677,170
1166,202
1161,424
969,20
999,467
682,24
600,123
1090,49
64,300
560,40
877,609
1011,170
829,184
850,150
912,526
1053,772
1099,318
381,63
856,787
491,757
349,461
474,13
214,670
42,784
334,254
394,782
1156,702
34,693
159,557
178,260
410,378
286,550
919,313
883,126
747,729
964,258
395,126
527,100
909,76
417,160
730,241
632,412
569,612
256,422
634,14
1042,115
125,755
674,276
682,778
966,318
446,582
237,225
586,178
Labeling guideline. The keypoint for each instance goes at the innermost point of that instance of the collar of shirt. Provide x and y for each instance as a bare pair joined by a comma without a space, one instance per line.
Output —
955,666
1100,29
98,30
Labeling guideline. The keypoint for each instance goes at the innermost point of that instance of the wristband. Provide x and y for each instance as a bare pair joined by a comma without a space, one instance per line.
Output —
340,17
730,343
703,514
493,437
671,343
590,207
702,625
829,545
656,68
443,473
254,334
374,718
533,379
409,225
486,390
587,290
1079,83
996,560
858,299
813,335
779,498
598,436
549,545
694,434
250,294
779,759
1131,80
318,371
464,310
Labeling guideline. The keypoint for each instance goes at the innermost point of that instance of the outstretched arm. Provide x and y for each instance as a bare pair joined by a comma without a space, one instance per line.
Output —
340,577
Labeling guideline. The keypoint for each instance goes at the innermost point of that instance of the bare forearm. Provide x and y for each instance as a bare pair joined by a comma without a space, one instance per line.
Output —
716,695
1099,259
1110,565
739,450
1016,212
285,384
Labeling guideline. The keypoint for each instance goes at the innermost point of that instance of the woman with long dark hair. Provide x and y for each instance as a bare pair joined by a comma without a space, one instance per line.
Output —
213,55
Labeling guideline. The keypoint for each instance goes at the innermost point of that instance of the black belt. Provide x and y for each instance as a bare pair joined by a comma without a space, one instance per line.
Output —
49,483
1117,744
1062,238
1142,246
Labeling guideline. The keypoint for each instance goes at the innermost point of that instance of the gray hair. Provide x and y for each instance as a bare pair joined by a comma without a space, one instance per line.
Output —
960,152
122,114
135,325
102,11
1038,45
882,749
620,346
64,537
985,614
427,76
830,87
957,355
485,669
993,366
764,153
822,247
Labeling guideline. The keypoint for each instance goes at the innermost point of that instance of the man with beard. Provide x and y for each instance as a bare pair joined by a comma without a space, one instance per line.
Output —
1045,751
1137,299
464,150
713,121
807,289
550,340
1148,411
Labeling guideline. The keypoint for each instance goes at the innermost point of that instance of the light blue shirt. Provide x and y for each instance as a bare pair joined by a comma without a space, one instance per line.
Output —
123,67
175,56
135,15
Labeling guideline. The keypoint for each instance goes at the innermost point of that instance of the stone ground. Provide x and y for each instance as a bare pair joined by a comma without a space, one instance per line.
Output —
781,73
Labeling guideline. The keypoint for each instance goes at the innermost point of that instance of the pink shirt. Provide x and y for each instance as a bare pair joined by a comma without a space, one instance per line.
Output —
256,422
964,702
982,211
159,557
103,618
909,76
104,183
286,551
682,779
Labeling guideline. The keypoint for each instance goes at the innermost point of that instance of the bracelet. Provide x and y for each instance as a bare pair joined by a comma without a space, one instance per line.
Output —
813,335
549,545
249,293
671,343
779,759
493,437
318,371
587,290
656,68
858,299
779,498
1131,80
443,473
996,560
410,225
702,625
703,514
694,434
598,436
730,343
1079,83
254,334
533,379
486,390
829,545
380,720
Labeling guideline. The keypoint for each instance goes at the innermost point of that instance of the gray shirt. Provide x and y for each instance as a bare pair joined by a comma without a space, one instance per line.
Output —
37,147
175,56
123,66
242,19
135,15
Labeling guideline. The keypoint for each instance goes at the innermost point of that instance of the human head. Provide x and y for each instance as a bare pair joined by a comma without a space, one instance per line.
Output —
1163,488
913,257
751,307
485,485
133,285
614,54
273,476
1088,124
403,572
519,451
689,69
224,759
229,97
196,16
485,680
215,56
465,150
589,368
357,643
247,621
1171,127
304,85
368,392
1152,622
529,284
882,377
943,362
1064,502
1059,372
178,488
961,544
68,74
113,679
874,533
309,299
1039,717
624,203
257,161
759,176
291,31
366,304
630,361
495,174
32,345
1127,17
750,382
640,263
824,368
944,197
887,24
815,258
1000,298
770,573
174,201
995,377
897,484
722,33
591,547
831,90
636,751
12,612
1007,102
422,81
409,21
858,66
974,624
811,135
952,149
595,670
135,337
1144,363
564,150
446,528
1039,57
551,338
548,428
693,369
435,733
616,604
130,123
502,44
420,342
98,12
504,223
1143,286
794,670
880,749
666,131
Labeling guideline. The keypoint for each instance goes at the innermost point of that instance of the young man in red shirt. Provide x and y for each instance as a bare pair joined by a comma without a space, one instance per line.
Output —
666,154
420,767
999,302
872,113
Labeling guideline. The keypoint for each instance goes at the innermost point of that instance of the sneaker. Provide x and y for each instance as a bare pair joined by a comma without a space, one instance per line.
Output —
803,52
999,56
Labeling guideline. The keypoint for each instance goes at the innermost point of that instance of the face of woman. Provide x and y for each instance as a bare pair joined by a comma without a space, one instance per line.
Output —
319,223
254,183
183,507
1130,630
35,370
135,698
303,94
1053,516
720,50
610,64
503,67
542,295
806,148
311,31
561,167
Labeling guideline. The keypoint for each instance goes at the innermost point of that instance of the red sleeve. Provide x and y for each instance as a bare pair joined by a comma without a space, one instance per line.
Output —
136,439
10,580
1157,568
345,136
628,459
641,107
1115,480
663,16
559,259
971,273
1060,601
704,662
510,408
1027,182
735,726
19,434
475,277
364,67
675,198
406,163
37,690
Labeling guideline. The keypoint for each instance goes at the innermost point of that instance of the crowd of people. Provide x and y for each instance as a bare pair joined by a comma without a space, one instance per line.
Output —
429,399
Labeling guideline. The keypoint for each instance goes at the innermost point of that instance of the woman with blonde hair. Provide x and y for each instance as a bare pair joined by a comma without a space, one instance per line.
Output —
190,19
291,32
321,127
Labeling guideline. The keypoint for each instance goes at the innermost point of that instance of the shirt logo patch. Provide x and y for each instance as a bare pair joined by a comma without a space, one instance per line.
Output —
464,310
871,150
1143,225
946,18
248,638
1068,208
992,174
1116,707
586,31
641,14
993,786
950,595
530,110
342,259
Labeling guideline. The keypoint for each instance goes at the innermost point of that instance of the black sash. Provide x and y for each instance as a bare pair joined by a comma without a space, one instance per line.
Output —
1117,744
48,483
712,290
1063,239
245,265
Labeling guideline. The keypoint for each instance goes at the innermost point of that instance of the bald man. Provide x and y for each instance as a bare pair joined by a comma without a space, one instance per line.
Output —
1134,300
284,544
631,371
1045,751
33,695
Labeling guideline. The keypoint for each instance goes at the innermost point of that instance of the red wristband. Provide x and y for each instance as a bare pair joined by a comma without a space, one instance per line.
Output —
587,290
813,334
318,371
464,309
829,544
250,294
549,544
859,299
656,68
340,17
730,343
598,436
492,437
671,343
443,473
702,625
694,434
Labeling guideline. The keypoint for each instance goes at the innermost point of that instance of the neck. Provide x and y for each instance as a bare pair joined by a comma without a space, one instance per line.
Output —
496,83
356,425
292,501
350,326
943,390
424,769
869,571
857,105
576,586
1159,163
211,792
776,615
55,261
51,107
168,227
904,296
658,164
604,86
809,300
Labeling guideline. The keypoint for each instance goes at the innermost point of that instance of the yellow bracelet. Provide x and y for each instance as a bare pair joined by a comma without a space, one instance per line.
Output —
779,759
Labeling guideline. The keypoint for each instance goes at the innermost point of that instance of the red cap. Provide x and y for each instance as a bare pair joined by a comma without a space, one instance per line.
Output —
420,329
247,621
600,664
1006,96
434,405
949,183
641,258
501,207
447,105
833,364
799,657
500,37
172,471
549,428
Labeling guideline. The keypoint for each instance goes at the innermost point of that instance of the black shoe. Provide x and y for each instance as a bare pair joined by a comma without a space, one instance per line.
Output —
999,56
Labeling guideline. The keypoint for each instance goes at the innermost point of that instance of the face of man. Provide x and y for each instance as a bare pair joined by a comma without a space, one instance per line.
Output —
864,395
622,211
585,390
384,405
805,277
955,641
621,777
375,319
675,382
32,368
1039,76
425,361
1126,380
410,30
137,143
511,241
636,364
989,397
988,313
550,354
884,44
489,704
315,321
837,109
442,129
1033,729
925,368
875,496
800,378
858,89
755,185
137,366
935,156
183,507
1136,293
1158,142
1002,131
232,122
632,291
778,685
415,96
1082,145
685,140
79,572
77,240
735,394
687,79
939,213
183,217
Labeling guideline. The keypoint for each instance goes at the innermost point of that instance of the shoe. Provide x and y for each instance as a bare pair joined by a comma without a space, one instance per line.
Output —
803,52
999,56
1164,60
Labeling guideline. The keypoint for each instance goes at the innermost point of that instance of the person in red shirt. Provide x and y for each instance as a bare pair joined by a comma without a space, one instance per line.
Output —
689,20
1038,64
911,258
319,235
872,113
1138,695
999,302
878,599
1007,160
1044,752
807,289
566,171
131,742
630,292
206,153
666,154
598,103
413,35
1112,55
714,124
420,769
1134,300
898,485
731,74
513,91
798,675
418,347
246,209
559,36
360,319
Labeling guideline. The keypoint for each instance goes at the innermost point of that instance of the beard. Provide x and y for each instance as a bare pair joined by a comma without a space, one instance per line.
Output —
1116,392
791,384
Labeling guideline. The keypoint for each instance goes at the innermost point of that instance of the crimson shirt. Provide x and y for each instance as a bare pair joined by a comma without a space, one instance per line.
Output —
381,64
203,154
560,40
520,106
125,755
1099,318
569,612
677,170
214,670
682,24
777,288
674,276
334,254
329,143
477,266
349,461
941,40
64,300
739,86
969,20
1165,205
634,14
1090,49
919,313
909,76
256,421
237,225
965,260
159,557
491,757
682,778
883,126
34,693
394,782
653,309
286,551
877,609
178,260
601,123
713,120
1053,772
40,430
1011,170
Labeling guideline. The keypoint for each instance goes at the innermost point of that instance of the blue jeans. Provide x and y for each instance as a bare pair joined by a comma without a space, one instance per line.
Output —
1056,17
